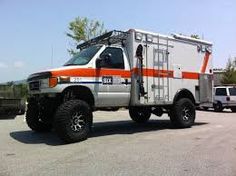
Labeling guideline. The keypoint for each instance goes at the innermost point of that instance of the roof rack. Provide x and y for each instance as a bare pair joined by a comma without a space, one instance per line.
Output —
109,38
190,39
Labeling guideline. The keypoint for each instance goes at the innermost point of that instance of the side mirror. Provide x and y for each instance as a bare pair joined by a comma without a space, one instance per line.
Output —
98,63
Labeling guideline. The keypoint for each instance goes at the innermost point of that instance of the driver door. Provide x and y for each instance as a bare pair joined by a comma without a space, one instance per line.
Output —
114,74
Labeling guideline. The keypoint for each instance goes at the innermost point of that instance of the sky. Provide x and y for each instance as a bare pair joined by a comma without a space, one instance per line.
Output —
33,33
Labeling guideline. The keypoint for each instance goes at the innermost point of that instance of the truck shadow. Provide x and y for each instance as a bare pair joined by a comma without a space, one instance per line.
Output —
100,129
7,116
212,111
31,137
129,127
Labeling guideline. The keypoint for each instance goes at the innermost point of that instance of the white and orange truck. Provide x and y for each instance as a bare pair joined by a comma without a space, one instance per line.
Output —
145,72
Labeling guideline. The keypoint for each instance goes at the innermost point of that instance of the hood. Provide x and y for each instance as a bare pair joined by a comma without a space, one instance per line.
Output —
40,75
61,71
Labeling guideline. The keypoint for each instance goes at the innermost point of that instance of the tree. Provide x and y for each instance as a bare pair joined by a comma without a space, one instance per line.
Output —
21,91
229,76
83,29
10,83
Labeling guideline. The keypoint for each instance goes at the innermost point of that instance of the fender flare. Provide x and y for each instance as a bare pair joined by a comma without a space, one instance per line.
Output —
184,93
86,95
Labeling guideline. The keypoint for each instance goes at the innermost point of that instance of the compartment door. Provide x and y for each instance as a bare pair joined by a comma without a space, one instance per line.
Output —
206,88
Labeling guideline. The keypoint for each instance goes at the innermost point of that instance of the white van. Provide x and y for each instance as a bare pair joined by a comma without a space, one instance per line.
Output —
225,97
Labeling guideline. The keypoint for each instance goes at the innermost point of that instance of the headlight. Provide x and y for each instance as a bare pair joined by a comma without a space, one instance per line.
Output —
48,83
44,83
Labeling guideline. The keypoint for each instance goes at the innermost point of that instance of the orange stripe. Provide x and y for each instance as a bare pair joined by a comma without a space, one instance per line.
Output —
166,73
190,75
205,62
90,72
154,72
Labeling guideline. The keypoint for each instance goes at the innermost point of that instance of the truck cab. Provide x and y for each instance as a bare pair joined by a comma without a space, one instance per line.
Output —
102,70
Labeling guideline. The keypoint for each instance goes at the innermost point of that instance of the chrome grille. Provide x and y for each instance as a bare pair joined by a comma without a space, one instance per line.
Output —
34,85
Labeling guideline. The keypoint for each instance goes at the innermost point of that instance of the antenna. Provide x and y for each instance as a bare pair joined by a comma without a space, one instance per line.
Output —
202,36
51,56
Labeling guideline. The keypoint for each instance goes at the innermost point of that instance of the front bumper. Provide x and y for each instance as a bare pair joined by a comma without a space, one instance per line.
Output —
229,105
55,90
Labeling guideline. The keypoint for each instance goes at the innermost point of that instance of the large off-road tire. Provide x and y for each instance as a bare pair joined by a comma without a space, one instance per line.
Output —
233,109
183,113
73,121
33,119
140,114
218,107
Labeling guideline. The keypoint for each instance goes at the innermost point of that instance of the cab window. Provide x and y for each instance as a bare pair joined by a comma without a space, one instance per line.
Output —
221,92
232,91
84,56
112,58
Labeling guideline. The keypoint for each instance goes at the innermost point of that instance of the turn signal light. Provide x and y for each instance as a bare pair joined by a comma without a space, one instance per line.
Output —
52,82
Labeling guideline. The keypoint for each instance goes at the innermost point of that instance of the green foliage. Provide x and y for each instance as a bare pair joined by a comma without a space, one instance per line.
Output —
83,29
22,91
19,91
10,83
229,76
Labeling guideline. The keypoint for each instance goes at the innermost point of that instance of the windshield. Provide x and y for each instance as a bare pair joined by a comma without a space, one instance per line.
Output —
232,91
83,57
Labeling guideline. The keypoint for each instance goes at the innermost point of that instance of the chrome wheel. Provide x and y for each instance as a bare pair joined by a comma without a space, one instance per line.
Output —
186,114
77,121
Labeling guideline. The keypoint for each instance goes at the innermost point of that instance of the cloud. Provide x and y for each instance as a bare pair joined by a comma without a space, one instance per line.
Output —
18,64
3,65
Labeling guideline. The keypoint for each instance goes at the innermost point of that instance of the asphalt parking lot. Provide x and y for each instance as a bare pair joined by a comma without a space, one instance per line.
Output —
119,146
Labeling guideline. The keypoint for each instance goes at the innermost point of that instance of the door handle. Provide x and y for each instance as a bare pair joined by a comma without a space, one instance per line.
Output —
126,81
